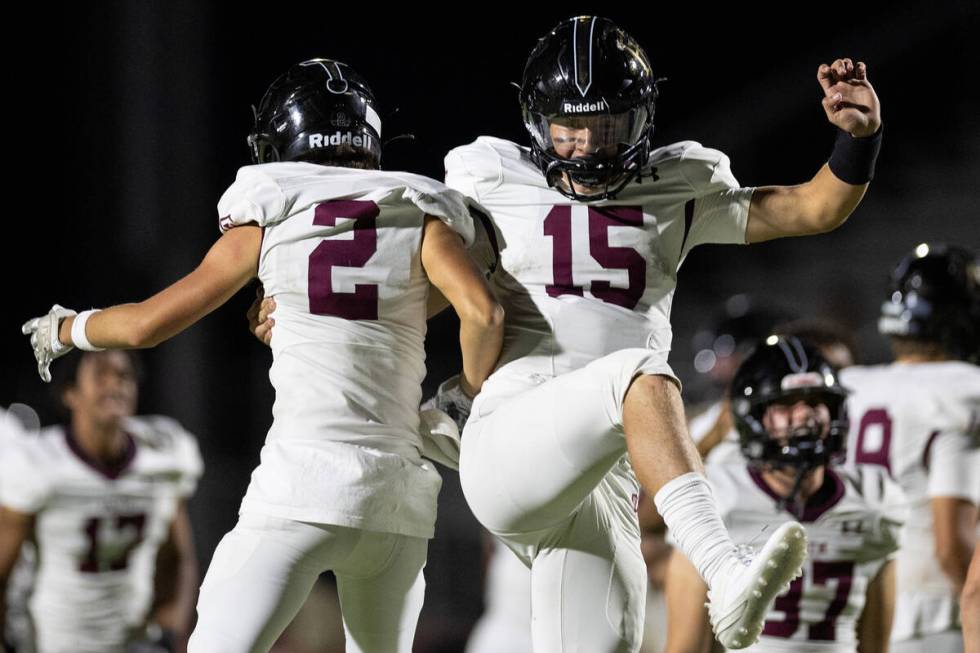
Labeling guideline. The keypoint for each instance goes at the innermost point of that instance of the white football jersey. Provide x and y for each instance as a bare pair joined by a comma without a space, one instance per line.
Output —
921,422
98,530
341,254
851,528
21,578
582,280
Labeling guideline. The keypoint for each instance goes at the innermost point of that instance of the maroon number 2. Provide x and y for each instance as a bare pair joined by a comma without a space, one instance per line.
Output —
789,603
558,225
362,304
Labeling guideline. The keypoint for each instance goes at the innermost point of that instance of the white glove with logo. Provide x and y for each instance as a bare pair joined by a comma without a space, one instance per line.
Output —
451,399
44,338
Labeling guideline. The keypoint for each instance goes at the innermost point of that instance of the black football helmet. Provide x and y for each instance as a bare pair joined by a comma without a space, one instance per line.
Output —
311,111
934,295
781,370
587,73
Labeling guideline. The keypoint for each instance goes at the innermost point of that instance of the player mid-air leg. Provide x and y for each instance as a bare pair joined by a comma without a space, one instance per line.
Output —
542,471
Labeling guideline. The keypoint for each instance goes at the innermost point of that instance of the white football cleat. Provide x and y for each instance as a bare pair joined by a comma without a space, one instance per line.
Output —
738,603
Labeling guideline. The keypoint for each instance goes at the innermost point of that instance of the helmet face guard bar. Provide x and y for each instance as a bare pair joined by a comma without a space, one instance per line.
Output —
596,178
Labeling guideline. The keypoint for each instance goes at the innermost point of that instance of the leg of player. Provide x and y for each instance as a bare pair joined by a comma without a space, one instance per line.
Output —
667,464
381,588
266,566
588,584
528,465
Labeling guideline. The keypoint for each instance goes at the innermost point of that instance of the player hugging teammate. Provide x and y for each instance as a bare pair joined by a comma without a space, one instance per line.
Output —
568,407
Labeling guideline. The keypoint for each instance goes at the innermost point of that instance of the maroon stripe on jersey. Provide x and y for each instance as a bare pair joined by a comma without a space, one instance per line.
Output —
828,496
112,471
927,453
688,221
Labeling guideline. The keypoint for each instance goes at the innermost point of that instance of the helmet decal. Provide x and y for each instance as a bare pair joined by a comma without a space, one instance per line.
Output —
303,116
793,351
340,85
582,58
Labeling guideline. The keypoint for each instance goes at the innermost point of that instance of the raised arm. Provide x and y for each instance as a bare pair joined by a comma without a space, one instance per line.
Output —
824,203
457,278
230,263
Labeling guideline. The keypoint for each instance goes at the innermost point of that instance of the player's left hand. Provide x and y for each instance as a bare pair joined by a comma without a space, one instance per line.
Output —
43,331
849,100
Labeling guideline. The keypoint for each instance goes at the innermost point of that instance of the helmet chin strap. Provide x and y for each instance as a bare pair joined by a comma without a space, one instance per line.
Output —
792,503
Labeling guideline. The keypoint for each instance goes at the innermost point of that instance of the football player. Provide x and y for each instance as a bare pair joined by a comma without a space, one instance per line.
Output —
349,252
788,407
15,628
719,440
919,418
593,223
103,497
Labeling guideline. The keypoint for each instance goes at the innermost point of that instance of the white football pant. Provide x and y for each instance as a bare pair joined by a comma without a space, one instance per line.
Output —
545,470
263,570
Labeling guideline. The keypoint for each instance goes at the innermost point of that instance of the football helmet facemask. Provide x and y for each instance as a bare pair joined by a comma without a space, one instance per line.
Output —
319,109
587,97
934,295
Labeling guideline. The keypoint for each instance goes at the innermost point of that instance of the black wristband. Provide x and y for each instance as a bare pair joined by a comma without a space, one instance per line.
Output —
853,159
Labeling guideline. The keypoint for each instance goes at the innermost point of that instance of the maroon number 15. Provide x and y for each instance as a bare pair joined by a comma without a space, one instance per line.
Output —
558,225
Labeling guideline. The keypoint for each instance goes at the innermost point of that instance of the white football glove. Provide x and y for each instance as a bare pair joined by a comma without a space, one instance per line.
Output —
44,338
451,399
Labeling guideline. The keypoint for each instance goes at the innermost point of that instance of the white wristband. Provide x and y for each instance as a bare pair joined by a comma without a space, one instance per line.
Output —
78,336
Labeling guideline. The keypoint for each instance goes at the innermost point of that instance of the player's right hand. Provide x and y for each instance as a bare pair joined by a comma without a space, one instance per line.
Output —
43,331
260,322
849,99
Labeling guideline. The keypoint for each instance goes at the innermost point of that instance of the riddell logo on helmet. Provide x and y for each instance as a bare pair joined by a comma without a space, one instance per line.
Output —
336,138
583,107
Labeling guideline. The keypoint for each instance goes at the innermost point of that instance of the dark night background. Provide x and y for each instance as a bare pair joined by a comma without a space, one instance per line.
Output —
131,119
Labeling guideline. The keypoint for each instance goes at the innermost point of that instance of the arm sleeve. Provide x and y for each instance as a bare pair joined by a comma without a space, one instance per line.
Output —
253,197
458,175
954,466
720,211
24,486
